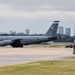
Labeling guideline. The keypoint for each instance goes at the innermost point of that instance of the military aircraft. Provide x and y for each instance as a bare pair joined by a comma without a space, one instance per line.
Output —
20,41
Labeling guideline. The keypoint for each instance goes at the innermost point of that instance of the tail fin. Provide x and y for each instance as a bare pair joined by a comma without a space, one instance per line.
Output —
52,31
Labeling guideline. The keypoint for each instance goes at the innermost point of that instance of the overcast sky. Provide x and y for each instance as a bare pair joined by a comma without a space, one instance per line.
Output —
36,15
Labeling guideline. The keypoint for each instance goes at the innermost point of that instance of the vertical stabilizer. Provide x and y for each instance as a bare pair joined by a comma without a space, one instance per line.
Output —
52,31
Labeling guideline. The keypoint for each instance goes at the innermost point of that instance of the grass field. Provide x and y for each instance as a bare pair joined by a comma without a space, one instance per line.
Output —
65,67
72,57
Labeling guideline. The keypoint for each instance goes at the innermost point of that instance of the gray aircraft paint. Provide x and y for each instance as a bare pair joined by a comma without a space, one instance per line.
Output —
50,35
52,31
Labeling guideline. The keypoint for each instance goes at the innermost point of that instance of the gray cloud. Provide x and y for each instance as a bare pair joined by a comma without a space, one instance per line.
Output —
21,9
35,8
30,5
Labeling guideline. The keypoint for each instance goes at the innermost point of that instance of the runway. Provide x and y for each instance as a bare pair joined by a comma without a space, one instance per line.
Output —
9,55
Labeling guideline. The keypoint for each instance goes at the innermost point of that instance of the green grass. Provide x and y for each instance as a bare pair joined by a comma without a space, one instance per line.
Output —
40,68
72,57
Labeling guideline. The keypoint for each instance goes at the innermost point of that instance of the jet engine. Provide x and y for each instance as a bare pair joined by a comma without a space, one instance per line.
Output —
5,42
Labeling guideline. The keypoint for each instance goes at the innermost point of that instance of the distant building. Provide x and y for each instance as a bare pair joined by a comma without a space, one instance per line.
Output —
27,31
67,31
20,33
61,30
12,32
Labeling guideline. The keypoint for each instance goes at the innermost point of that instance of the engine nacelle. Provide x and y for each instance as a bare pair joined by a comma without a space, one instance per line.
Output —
5,42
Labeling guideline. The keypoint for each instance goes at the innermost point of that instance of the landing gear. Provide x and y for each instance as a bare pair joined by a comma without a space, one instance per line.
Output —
17,45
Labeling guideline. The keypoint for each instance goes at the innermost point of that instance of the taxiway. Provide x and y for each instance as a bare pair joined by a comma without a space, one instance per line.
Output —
9,56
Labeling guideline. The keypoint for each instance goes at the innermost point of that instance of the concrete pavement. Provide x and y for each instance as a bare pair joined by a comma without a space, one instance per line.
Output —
9,55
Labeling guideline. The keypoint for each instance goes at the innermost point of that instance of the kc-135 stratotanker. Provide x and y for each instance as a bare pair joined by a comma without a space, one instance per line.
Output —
20,41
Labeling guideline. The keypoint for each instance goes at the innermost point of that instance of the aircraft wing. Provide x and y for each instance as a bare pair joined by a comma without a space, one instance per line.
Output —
10,42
